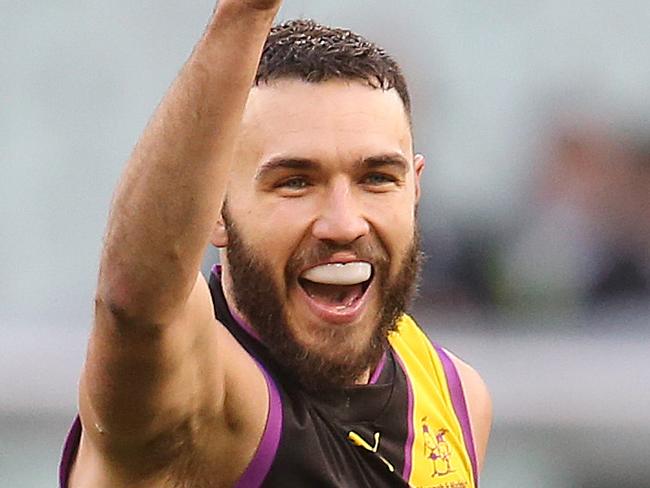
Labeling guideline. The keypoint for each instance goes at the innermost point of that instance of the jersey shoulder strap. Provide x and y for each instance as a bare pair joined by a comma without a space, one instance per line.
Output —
440,447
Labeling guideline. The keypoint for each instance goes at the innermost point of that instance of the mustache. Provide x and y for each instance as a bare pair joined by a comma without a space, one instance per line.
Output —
368,249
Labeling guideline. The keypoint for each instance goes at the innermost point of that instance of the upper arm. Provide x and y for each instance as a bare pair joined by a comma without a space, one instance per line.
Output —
149,391
479,406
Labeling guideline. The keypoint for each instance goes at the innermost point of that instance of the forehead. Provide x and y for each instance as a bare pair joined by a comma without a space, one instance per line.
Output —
337,120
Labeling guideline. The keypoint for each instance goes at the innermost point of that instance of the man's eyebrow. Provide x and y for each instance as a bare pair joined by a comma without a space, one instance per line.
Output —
395,160
285,163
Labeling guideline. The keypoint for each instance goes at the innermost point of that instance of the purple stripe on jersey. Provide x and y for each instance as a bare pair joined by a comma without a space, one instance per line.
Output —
69,452
244,325
378,370
261,463
216,270
460,407
408,445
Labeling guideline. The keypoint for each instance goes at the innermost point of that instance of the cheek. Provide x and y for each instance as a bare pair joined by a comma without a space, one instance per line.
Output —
274,232
282,226
395,226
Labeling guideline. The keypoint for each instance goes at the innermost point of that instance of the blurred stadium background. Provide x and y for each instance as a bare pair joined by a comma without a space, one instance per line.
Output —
535,119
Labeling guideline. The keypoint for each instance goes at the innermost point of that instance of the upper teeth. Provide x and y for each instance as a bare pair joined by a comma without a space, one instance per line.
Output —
339,273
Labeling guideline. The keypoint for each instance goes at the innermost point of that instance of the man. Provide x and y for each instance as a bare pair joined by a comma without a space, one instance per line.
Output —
310,374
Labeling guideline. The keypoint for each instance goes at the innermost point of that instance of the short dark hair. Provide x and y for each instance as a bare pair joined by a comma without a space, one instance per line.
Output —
312,52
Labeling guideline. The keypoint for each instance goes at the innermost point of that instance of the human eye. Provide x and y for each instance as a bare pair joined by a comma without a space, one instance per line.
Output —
293,184
378,179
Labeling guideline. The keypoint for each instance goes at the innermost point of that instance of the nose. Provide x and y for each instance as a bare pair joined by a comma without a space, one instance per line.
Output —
340,219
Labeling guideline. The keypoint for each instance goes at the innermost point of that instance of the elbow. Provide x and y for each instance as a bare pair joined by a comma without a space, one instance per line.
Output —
126,307
141,293
118,293
141,290
124,314
128,321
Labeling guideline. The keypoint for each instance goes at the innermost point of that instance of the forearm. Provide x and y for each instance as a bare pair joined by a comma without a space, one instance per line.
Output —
171,191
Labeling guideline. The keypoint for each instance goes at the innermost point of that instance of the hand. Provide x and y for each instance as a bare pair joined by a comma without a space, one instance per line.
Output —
263,4
260,5
241,10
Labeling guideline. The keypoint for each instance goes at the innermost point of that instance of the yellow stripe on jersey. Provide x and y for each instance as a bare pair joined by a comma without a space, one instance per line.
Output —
436,455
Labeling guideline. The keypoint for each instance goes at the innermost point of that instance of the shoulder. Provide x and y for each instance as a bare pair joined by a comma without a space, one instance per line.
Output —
479,404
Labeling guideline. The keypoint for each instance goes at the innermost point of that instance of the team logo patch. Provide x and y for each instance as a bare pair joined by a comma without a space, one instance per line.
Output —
438,450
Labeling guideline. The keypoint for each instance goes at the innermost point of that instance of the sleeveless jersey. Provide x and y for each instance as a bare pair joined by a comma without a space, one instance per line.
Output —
408,427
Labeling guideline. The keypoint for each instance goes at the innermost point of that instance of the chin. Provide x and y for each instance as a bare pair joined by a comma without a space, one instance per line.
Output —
335,342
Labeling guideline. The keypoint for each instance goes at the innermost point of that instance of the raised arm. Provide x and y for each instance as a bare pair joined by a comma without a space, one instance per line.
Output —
152,393
172,188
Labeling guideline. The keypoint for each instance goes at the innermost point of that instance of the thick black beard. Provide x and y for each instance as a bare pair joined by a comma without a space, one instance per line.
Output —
259,300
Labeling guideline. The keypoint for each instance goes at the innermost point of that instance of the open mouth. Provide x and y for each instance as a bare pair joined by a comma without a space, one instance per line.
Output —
337,285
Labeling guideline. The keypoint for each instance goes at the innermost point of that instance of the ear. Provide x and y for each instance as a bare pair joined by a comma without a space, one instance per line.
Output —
219,236
418,164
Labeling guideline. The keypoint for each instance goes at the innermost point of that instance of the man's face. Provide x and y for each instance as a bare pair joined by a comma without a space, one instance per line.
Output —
321,247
